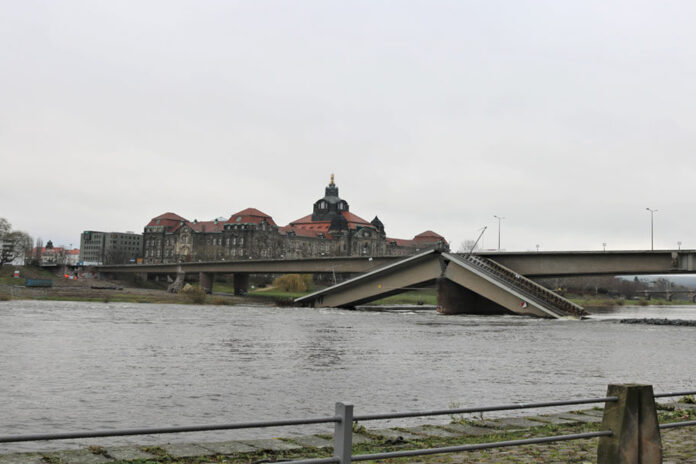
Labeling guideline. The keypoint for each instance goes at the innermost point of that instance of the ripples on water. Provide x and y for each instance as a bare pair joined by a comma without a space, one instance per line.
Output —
77,366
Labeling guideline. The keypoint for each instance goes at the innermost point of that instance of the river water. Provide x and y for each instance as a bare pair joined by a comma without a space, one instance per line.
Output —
67,366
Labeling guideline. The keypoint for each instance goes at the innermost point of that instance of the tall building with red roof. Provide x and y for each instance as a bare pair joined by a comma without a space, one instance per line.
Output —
330,230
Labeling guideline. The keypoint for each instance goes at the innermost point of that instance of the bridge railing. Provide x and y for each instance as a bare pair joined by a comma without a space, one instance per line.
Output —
528,286
629,427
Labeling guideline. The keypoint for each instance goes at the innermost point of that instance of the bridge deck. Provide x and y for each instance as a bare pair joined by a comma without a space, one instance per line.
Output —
530,264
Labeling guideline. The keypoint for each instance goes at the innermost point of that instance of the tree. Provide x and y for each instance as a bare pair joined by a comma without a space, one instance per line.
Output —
467,246
13,243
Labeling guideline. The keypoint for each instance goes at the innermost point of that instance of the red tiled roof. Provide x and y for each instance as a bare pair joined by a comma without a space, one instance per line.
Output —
353,222
307,231
206,226
168,220
428,236
251,216
402,242
303,220
352,218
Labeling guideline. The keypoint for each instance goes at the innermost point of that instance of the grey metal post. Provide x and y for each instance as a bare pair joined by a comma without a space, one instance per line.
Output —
632,419
343,433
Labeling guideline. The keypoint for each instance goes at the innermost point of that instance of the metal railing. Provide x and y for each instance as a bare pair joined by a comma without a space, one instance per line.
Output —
343,432
537,292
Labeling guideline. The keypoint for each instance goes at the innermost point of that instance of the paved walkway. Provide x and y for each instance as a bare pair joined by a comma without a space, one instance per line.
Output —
679,444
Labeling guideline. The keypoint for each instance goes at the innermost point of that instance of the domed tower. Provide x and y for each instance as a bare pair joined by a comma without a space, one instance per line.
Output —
379,226
331,206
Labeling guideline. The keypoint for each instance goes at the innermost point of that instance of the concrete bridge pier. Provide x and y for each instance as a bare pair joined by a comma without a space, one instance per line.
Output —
205,280
241,283
455,299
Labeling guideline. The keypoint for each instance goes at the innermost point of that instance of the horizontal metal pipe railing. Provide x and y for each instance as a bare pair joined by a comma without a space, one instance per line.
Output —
315,461
509,407
343,421
479,446
160,430
674,425
665,395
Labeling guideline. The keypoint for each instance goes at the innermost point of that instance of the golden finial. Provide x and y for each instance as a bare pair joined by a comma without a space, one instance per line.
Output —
332,179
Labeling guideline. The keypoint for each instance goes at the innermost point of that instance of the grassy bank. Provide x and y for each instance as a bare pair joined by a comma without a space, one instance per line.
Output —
26,272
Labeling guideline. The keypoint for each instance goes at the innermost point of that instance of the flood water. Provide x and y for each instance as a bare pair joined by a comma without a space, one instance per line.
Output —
67,366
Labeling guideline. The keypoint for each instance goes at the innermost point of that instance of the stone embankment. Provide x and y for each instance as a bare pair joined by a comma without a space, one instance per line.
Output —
679,444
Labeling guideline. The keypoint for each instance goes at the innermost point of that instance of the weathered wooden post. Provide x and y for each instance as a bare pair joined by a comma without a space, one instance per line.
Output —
633,421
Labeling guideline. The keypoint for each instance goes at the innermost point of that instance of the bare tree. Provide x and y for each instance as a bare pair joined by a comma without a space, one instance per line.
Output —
467,246
15,243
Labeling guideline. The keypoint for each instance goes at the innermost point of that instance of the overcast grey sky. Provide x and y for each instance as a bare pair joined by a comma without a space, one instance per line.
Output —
567,118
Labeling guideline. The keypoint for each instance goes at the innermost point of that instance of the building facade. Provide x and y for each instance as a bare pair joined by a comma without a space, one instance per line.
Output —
98,248
331,230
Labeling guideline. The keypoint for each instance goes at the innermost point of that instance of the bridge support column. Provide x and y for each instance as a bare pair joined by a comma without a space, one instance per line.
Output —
241,284
206,281
455,299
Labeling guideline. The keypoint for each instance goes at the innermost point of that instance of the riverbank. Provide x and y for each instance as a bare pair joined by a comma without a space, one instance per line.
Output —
679,445
134,291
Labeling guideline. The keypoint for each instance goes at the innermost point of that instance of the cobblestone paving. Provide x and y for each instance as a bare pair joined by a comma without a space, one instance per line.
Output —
679,447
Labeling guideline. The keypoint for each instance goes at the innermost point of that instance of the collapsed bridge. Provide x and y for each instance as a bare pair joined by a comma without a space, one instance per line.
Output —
482,284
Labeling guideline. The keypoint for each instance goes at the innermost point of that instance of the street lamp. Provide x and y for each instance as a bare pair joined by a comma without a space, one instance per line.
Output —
499,221
652,235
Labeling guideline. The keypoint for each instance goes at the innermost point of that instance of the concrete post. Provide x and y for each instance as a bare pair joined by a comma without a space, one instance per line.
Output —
206,281
633,421
241,283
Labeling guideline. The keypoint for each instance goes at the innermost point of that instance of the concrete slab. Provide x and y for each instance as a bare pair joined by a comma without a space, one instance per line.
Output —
593,412
394,434
431,431
552,419
127,453
584,418
360,439
686,406
519,422
272,445
491,423
465,429
21,458
312,441
228,447
81,456
185,450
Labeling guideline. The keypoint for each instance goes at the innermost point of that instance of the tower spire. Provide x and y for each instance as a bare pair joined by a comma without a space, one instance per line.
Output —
332,180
